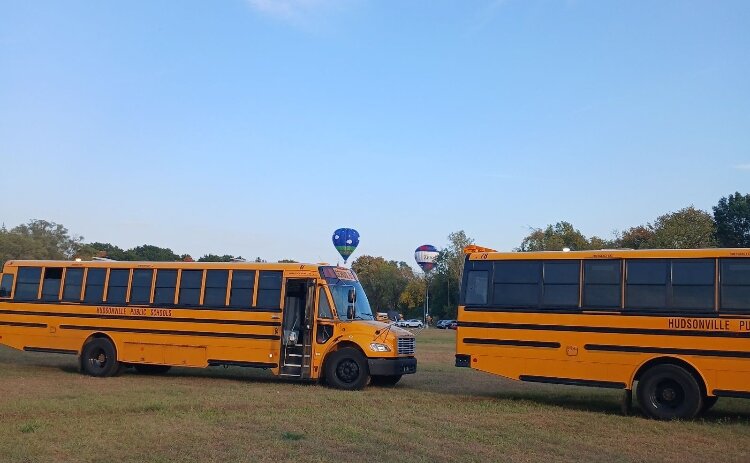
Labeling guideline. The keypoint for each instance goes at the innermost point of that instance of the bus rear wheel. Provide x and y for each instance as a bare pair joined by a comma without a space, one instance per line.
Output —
347,369
668,392
385,380
99,358
145,369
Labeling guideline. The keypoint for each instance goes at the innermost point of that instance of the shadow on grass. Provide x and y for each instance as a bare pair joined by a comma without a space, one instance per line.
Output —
610,405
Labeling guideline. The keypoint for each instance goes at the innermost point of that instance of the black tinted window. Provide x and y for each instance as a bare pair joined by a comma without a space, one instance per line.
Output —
190,287
516,283
517,272
6,285
561,283
735,285
602,285
646,284
216,288
27,286
269,290
166,281
94,292
477,283
51,283
140,288
693,284
118,285
73,284
243,282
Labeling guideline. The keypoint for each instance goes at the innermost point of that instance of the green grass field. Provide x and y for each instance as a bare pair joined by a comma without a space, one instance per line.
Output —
49,412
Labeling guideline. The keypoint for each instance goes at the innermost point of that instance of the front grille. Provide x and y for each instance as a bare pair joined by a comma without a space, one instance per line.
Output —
406,346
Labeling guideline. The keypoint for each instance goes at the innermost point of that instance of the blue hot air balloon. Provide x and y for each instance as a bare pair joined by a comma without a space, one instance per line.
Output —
425,256
346,241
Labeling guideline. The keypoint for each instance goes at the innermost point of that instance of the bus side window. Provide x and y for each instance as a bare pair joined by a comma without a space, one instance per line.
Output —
735,285
561,283
166,282
27,285
51,283
516,283
693,284
243,284
72,285
216,288
140,288
269,289
646,284
117,287
324,307
95,285
602,284
6,285
190,287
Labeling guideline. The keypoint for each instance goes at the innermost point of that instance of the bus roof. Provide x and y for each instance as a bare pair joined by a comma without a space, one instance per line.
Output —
610,254
172,265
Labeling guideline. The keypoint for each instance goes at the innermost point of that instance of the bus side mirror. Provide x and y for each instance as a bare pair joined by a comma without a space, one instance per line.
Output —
351,314
352,296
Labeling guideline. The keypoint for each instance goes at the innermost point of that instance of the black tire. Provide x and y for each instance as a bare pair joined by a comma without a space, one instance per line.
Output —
708,402
668,392
99,358
385,381
145,369
347,369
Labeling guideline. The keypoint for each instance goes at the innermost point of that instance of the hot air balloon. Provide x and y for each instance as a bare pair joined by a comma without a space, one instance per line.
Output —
425,256
346,241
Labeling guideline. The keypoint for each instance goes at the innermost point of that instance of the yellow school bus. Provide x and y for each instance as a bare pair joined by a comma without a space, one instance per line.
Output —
676,322
301,321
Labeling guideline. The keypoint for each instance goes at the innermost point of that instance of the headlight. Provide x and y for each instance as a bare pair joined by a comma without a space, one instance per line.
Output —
377,347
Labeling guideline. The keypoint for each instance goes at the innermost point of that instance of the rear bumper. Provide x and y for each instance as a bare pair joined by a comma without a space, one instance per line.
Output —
392,367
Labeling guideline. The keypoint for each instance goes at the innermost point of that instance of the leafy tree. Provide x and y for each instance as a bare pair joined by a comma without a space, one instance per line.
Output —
383,280
639,237
110,251
151,253
555,238
732,216
684,229
216,258
38,239
287,261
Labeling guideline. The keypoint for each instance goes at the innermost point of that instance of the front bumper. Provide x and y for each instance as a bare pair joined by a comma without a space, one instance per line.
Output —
392,366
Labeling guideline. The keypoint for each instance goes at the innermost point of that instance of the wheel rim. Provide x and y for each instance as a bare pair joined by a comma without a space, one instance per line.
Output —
668,394
347,371
98,359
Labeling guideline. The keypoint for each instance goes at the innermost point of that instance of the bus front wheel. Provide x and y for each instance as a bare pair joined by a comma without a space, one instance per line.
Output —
668,392
99,358
347,369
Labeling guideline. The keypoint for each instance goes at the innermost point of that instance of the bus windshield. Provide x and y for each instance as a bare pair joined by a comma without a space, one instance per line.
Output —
340,292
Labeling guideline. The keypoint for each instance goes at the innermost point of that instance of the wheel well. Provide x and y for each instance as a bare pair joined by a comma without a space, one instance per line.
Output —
672,361
98,336
342,345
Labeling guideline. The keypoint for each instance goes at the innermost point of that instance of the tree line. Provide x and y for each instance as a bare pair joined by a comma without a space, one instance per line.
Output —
727,227
395,285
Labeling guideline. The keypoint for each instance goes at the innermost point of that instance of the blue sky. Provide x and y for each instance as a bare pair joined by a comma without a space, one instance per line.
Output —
257,127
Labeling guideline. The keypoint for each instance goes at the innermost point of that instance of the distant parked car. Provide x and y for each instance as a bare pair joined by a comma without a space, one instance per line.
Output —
444,324
453,325
413,323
